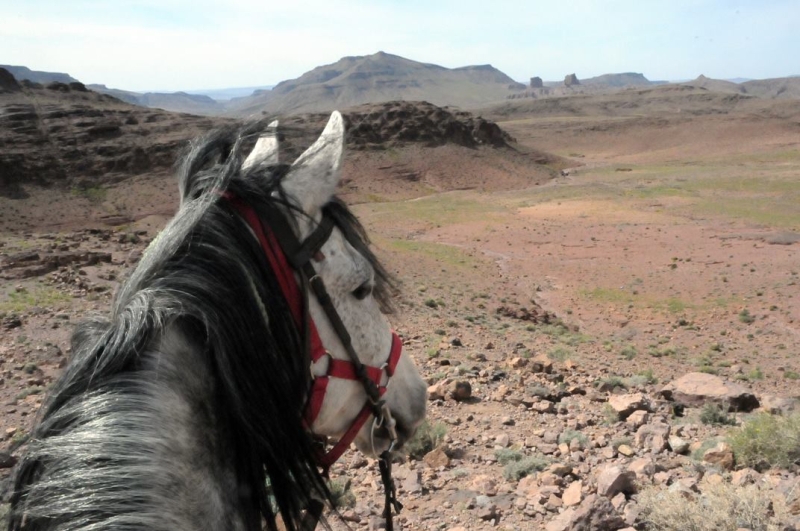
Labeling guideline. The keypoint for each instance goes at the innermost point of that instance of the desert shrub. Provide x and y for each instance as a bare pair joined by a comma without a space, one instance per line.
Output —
428,437
769,439
341,495
611,382
560,354
707,445
570,435
721,507
628,352
715,415
508,455
516,470
746,317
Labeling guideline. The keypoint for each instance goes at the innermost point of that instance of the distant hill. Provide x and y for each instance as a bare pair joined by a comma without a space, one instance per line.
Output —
168,101
23,72
777,88
376,78
626,79
716,85
226,94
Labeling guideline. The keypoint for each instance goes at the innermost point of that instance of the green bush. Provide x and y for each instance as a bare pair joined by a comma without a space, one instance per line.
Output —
428,437
508,455
341,495
767,439
715,415
516,470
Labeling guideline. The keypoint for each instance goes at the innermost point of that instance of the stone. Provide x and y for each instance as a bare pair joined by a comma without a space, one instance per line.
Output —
678,445
637,418
502,440
721,455
625,450
626,404
460,391
613,480
572,495
436,458
595,513
541,364
745,476
777,405
652,437
643,468
484,485
536,82
697,389
7,460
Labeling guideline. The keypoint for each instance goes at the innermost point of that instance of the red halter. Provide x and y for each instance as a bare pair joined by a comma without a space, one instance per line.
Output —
337,368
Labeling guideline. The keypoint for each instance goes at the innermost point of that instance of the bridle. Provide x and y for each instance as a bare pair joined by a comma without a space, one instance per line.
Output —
288,255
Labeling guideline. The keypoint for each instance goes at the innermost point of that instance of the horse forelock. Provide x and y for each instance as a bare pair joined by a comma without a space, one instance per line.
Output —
205,282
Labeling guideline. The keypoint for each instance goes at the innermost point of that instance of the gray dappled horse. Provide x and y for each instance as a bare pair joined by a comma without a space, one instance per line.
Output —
197,404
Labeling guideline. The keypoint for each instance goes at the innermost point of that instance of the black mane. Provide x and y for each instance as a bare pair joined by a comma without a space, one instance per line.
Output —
206,277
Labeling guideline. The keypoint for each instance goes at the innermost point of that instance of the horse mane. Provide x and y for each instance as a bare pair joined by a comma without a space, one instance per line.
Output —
206,280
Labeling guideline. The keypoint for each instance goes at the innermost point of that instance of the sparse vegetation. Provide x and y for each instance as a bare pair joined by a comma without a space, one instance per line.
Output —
765,439
341,495
516,470
716,415
508,455
721,507
429,436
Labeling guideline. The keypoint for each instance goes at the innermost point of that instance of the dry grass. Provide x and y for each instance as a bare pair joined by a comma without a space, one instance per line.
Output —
766,439
720,507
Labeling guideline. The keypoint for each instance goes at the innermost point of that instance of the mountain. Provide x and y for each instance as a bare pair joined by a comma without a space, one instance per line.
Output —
23,72
626,79
225,94
376,78
777,88
168,101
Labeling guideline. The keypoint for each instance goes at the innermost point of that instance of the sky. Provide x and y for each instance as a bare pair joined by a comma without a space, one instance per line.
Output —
174,45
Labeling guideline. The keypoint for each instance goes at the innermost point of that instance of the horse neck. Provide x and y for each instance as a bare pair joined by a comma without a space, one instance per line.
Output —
152,448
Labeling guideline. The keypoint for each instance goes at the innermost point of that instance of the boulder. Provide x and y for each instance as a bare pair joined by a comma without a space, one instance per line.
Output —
595,513
571,80
698,388
536,82
721,455
613,480
626,404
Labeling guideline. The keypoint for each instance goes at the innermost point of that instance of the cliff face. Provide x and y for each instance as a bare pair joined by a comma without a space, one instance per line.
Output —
64,134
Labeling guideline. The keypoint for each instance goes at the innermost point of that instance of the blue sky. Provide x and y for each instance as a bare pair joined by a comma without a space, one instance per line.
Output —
202,44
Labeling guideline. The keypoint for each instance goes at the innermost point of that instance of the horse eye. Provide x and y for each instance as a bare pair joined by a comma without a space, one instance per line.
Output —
363,291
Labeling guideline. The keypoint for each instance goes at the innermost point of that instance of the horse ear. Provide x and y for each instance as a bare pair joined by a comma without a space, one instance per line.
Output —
313,178
265,152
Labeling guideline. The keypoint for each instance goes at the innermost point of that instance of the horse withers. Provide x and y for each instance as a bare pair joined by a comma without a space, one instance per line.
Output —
201,401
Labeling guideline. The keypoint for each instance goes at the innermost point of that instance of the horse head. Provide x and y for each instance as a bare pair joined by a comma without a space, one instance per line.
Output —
353,279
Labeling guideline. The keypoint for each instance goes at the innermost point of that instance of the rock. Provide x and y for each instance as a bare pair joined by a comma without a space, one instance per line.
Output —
484,485
436,458
698,388
745,476
613,479
438,390
776,405
411,483
637,419
625,450
541,364
626,404
572,495
460,391
7,460
652,437
643,468
502,440
595,513
571,80
721,455
678,445
536,82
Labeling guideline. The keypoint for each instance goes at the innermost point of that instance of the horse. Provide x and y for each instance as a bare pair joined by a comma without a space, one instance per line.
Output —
252,330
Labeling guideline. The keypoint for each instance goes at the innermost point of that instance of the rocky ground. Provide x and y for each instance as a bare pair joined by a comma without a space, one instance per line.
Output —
589,340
